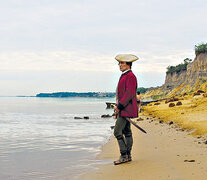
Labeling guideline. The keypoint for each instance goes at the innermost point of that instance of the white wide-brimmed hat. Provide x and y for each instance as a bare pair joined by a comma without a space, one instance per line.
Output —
126,58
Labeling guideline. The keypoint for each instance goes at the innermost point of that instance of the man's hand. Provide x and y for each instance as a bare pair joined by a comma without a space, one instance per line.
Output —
116,109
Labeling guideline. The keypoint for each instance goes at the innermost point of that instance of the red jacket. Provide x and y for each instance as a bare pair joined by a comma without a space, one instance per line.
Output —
126,95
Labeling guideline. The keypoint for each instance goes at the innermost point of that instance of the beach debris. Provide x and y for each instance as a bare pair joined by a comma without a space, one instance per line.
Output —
85,117
200,91
171,100
139,119
78,118
196,94
205,95
161,121
171,104
179,103
171,122
156,103
189,160
106,116
112,127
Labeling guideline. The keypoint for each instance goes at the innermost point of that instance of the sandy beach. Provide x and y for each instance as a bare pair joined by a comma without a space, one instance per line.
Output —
165,152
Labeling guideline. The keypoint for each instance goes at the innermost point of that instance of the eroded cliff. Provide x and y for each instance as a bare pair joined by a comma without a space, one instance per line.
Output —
195,70
186,81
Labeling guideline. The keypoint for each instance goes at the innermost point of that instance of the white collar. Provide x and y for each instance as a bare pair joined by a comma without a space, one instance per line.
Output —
126,71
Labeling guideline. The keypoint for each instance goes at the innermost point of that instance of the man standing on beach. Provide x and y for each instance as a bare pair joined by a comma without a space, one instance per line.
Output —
126,106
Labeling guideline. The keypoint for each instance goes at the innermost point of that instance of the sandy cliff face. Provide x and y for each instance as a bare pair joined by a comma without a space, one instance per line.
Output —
195,70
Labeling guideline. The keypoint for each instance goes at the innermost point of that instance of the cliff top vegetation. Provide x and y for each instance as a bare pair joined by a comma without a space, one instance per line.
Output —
180,67
201,48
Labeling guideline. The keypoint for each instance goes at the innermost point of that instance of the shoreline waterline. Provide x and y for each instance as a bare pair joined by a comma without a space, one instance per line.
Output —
165,152
43,135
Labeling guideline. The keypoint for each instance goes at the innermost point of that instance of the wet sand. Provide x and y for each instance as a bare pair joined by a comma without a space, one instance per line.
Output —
165,152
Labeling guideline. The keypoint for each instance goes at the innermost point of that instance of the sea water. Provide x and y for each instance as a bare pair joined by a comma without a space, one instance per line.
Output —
40,139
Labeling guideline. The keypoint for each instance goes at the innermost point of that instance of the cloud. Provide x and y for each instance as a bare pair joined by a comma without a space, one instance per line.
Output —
103,26
86,61
85,36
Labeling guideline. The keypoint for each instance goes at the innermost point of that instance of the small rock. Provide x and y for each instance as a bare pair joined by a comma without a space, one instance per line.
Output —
112,127
182,113
106,116
171,122
205,142
200,91
196,94
85,117
78,118
139,119
171,104
147,118
175,99
189,160
161,121
205,95
178,103
157,103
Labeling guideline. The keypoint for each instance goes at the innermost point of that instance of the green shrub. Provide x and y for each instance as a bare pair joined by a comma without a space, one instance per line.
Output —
179,67
142,89
201,48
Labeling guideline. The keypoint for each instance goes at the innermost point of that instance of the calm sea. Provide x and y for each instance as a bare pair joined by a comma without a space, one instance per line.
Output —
40,139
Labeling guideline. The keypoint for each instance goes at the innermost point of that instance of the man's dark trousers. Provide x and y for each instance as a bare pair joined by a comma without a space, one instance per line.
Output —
123,134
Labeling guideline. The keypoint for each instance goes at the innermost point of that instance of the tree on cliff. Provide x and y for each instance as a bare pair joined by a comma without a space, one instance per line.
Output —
201,48
179,67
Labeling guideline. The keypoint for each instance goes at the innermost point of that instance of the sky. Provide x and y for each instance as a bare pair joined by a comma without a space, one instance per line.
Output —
70,45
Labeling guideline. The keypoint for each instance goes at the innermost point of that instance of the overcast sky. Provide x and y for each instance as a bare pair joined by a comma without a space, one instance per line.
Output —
70,45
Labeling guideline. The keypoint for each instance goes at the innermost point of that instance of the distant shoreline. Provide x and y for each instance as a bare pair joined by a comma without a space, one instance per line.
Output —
76,94
70,94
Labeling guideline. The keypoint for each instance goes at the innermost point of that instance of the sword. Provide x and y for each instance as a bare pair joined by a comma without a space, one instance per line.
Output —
128,119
